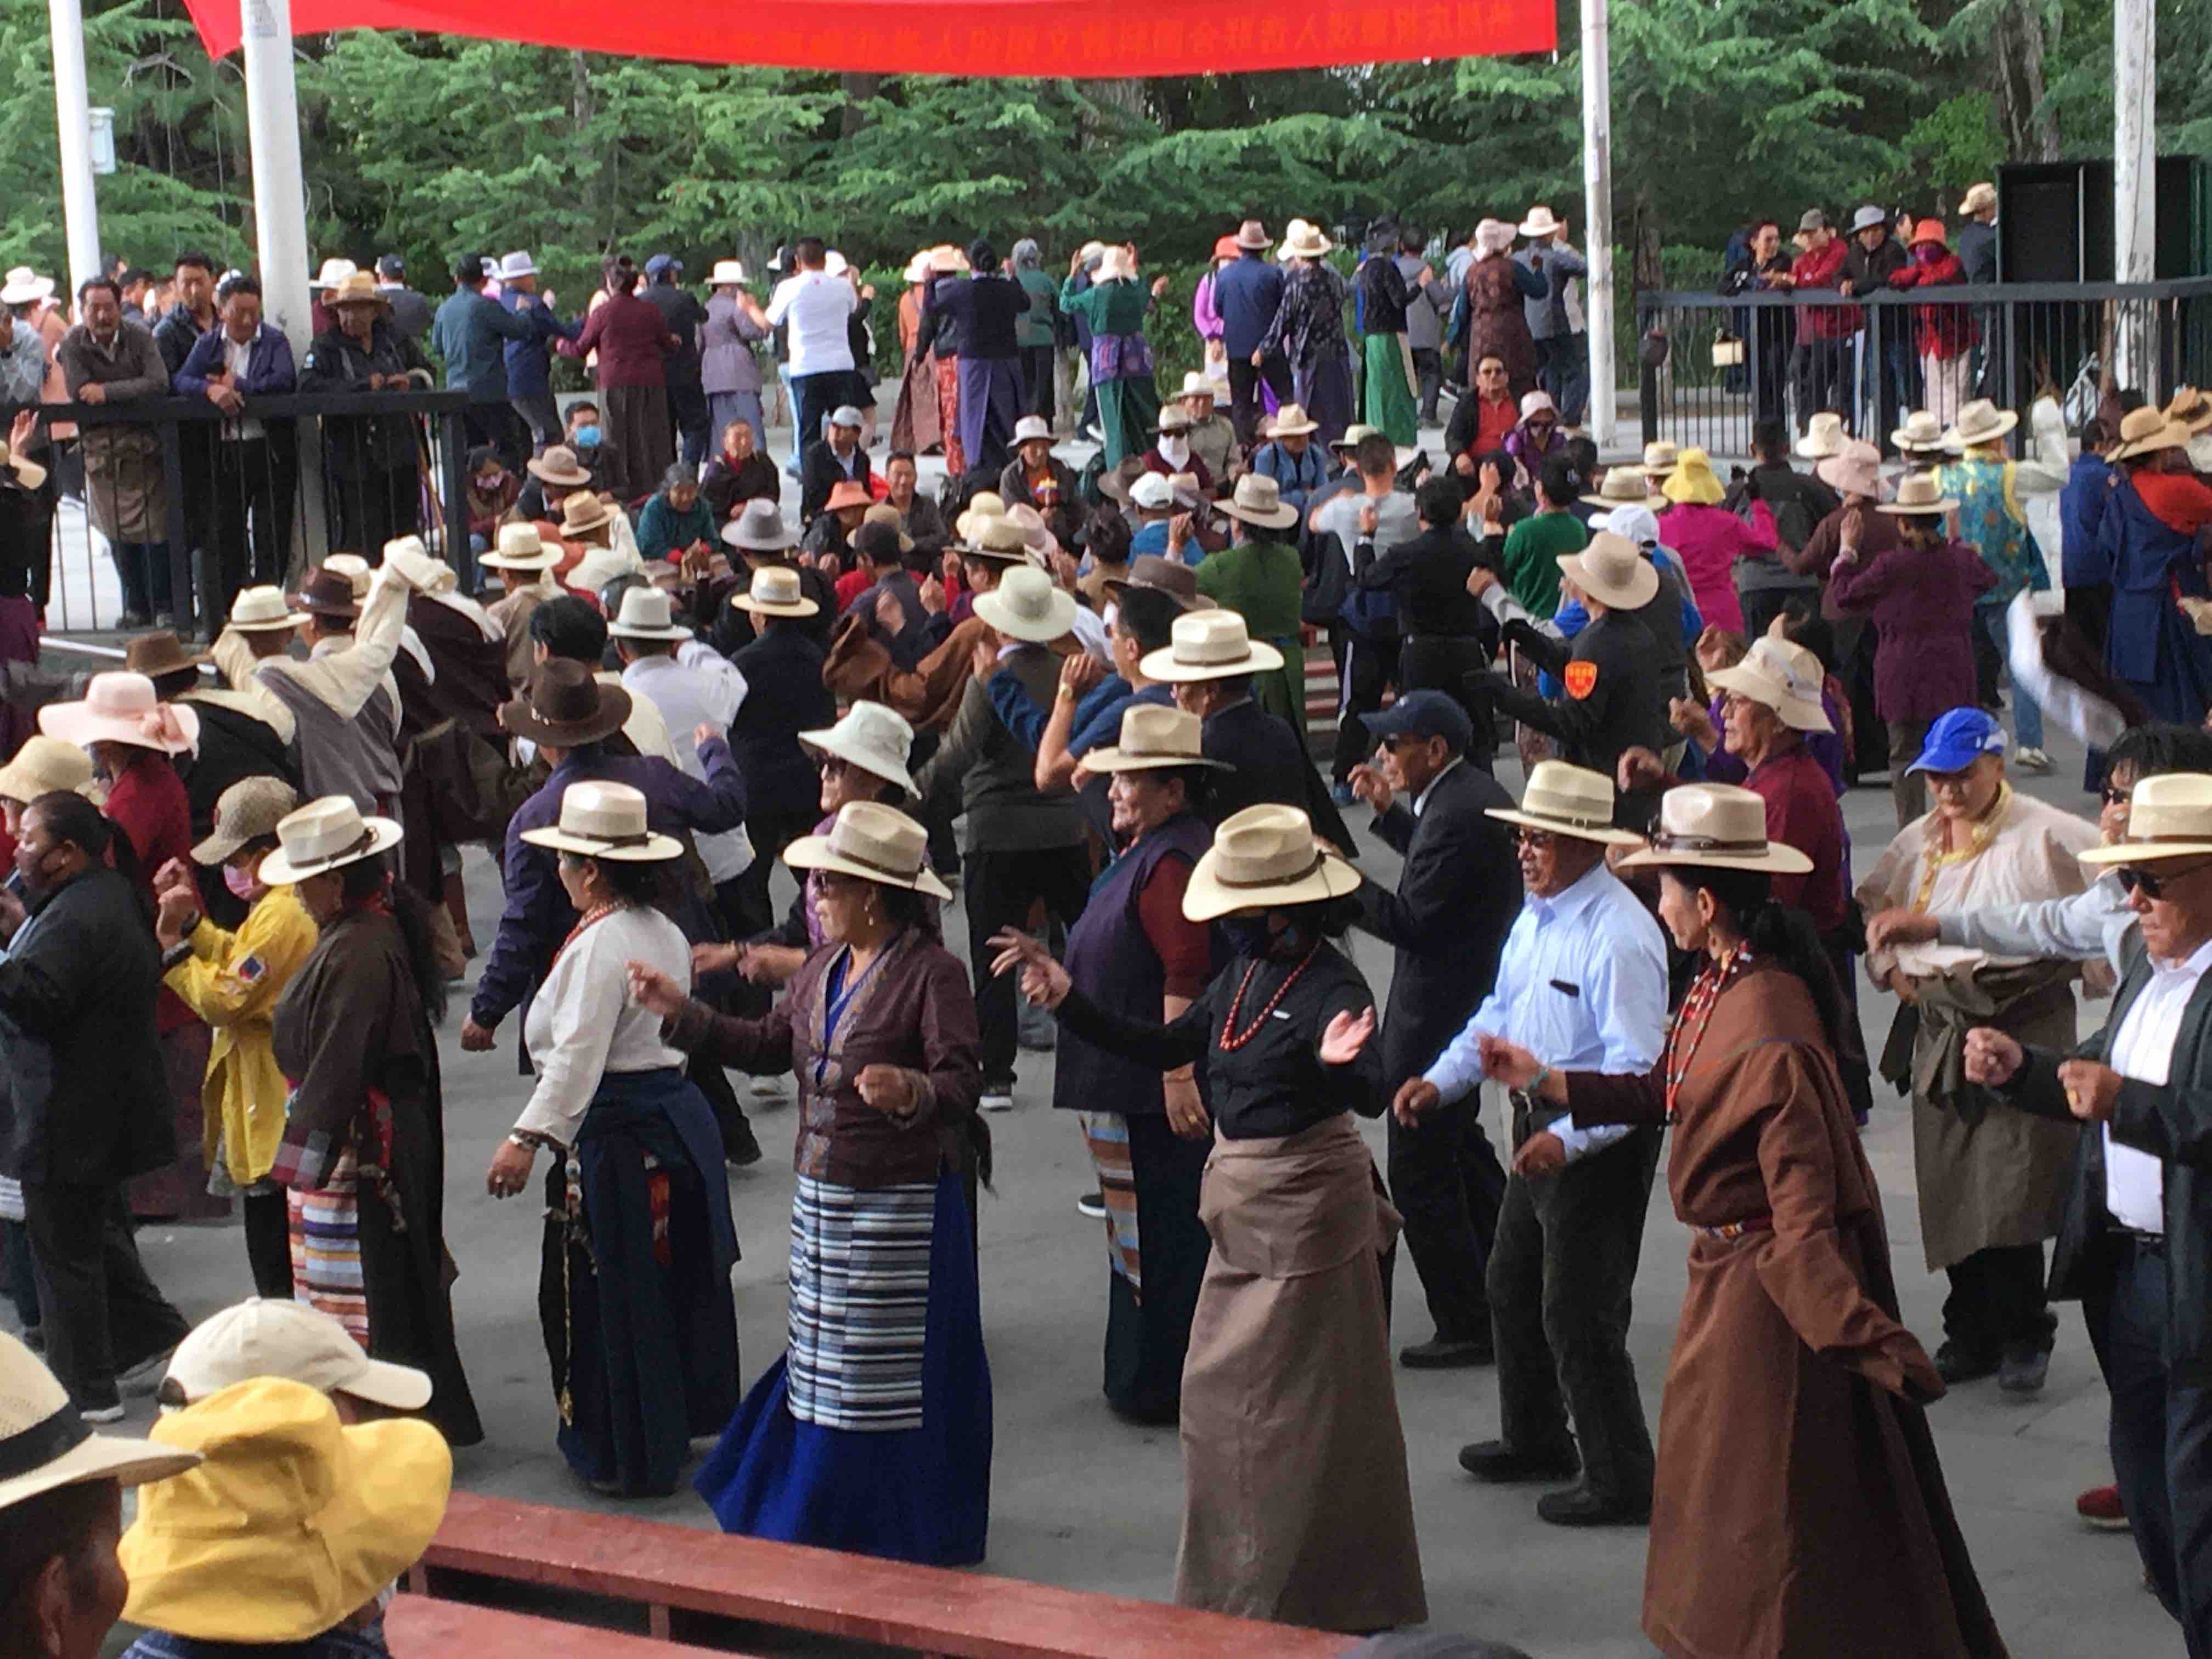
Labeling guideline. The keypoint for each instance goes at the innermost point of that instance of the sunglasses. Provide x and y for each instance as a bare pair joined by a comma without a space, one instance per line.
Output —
2113,795
2152,884
1537,839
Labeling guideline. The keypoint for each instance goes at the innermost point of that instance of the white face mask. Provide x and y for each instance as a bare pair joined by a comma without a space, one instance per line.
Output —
1175,451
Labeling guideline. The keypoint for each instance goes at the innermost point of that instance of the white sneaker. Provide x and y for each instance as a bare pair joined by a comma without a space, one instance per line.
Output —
765,1087
103,1413
2031,760
996,1100
1092,1205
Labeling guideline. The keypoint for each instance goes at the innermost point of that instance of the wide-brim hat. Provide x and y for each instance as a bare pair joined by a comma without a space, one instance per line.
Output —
1628,486
1305,241
917,269
1978,197
1612,570
1717,826
1027,604
1209,645
567,705
1780,675
262,610
1163,575
1929,230
520,547
334,271
1253,233
648,613
1540,223
584,511
2145,432
51,1446
1923,434
44,766
2191,408
878,739
1918,496
120,706
1568,800
1867,218
357,288
160,653
326,593
844,493
1290,420
247,810
726,273
1856,472
23,286
874,842
758,528
290,1523
1266,857
947,260
1195,384
1980,422
1174,419
2169,816
995,538
1660,458
884,513
1258,500
1155,737
558,466
1824,436
775,591
324,835
605,820
1032,429
517,263
1693,482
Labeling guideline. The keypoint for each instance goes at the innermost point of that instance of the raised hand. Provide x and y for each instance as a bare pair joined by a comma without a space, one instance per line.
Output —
1347,1035
1638,768
933,596
714,958
176,913
654,992
1367,783
891,615
1044,981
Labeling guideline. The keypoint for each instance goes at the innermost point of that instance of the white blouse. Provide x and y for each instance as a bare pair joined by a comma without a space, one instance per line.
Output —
582,1025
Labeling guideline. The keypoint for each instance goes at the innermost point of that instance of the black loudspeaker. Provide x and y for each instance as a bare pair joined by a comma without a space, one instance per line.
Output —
2055,221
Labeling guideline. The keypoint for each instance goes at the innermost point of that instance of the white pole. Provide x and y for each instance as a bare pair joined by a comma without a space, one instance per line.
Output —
73,124
1597,217
2135,180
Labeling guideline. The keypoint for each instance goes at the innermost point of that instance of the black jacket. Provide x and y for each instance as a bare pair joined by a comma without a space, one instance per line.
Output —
1613,704
820,473
234,746
784,696
1269,764
1456,899
978,313
84,1100
1426,575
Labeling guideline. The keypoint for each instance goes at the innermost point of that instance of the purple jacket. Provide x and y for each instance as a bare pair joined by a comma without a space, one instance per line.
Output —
1204,316
1922,600
268,371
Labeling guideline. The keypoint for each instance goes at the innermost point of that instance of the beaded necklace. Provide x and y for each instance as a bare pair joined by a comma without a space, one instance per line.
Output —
1231,1039
1695,1014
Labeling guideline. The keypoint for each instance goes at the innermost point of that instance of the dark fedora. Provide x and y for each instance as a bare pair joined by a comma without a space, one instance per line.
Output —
1178,581
567,705
326,593
159,654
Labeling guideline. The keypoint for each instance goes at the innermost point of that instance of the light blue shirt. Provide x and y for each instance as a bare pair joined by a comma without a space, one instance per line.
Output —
1582,984
2079,927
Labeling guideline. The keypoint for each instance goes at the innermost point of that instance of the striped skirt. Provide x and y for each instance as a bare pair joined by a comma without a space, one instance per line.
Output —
859,1303
326,1248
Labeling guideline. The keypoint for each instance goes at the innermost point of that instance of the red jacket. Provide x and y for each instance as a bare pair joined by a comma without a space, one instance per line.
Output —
1824,268
1939,330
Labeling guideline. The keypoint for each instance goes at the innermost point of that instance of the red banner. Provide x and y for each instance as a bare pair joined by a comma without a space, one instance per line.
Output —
1045,38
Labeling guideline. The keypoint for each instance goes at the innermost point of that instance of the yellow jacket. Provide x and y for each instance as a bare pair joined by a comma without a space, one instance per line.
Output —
231,980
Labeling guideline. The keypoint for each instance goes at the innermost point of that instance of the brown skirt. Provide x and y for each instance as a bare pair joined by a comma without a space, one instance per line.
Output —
914,426
640,444
179,1191
1293,1460
948,417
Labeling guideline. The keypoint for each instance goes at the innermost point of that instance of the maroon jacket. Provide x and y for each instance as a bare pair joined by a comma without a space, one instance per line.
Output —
632,340
1922,600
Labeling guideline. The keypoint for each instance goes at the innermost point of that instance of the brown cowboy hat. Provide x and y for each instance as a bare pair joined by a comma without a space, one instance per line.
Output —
567,705
326,593
160,653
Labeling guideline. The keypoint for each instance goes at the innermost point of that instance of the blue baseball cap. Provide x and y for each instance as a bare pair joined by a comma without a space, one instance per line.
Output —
1958,740
1424,715
661,261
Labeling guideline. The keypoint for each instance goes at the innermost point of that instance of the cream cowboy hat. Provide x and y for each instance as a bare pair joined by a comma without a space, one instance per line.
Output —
122,707
758,528
2188,406
44,766
726,273
324,835
1628,486
774,592
875,842
1259,499
1923,434
1195,384
2169,816
1692,481
249,810
648,613
884,513
1154,737
1780,675
946,260
583,512
878,739
24,285
984,504
1660,458
605,820
1980,422
262,610
1823,437
1305,241
558,466
2145,432
1290,420
1717,826
1918,496
917,269
1264,858
1568,800
1027,604
335,272
994,538
1612,571
1539,223
520,547
49,1443
1175,418
1209,645
1856,472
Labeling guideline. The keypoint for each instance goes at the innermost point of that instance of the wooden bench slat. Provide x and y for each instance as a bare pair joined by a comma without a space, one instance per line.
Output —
423,1627
795,1587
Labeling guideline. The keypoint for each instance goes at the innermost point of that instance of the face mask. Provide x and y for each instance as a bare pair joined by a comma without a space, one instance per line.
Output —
1246,935
243,884
1175,451
1927,254
587,437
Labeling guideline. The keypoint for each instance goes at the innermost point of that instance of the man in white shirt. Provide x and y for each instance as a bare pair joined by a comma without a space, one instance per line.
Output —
814,307
2135,1242
1367,522
1582,983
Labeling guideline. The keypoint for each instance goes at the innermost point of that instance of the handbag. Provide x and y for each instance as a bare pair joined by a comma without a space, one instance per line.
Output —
1652,352
1727,351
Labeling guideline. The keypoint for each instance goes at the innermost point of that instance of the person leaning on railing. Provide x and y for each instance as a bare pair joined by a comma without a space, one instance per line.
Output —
105,358
370,461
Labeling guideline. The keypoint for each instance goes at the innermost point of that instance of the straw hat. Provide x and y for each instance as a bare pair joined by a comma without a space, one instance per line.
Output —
775,591
1032,429
291,1522
1628,486
1540,223
1305,241
520,547
1692,480
994,538
324,835
2191,408
326,593
1856,472
262,610
1660,458
1824,437
726,273
885,514
1027,604
758,528
121,707
1264,858
559,466
947,260
335,272
1210,645
875,842
1614,571
1251,233
605,820
1290,420
1568,800
357,288
583,512
160,653
1980,198
567,705
1921,434
247,810
1353,435
1980,422
51,1446
1780,675
1918,496
877,739
2169,816
648,613
24,286
44,766
2145,432
263,1336
1154,737
1259,500
1718,826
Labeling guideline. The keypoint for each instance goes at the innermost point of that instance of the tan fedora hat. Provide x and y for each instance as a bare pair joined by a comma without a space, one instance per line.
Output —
726,273
1980,422
247,810
1251,233
1028,604
648,613
1258,500
1717,826
262,610
122,707
1856,472
1824,436
559,466
1628,486
1568,800
2169,816
2145,432
44,766
357,287
1923,434
884,513
1305,241
324,835
1780,675
1264,858
878,739
1539,223
875,842
1614,571
584,512
53,1446
774,592
160,653
1661,457
605,820
1210,645
1290,420
1154,736
520,547
1918,496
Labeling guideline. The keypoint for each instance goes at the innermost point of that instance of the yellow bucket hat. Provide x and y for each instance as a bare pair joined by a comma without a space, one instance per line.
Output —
291,1522
1692,480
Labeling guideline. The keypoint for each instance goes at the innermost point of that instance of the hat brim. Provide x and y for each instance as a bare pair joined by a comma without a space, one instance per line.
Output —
2173,434
518,719
1118,586
278,870
1919,510
993,555
544,559
1794,713
830,741
1531,227
2007,420
1951,760
101,1457
993,609
1255,244
653,849
1650,504
1260,658
78,723
744,543
397,1387
2144,852
303,606
1281,518
1117,759
801,606
1207,895
1692,493
1639,591
672,632
1779,859
1810,448
1605,837
815,853
1295,429
579,527
545,474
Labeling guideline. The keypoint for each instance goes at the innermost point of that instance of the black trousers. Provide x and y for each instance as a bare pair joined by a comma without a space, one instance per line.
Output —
1036,380
1147,1337
1822,371
101,1312
1442,662
1997,1298
252,542
1562,1269
1001,885
1428,374
540,411
1245,410
1364,668
1446,1182
498,425
373,506
772,828
689,423
269,1244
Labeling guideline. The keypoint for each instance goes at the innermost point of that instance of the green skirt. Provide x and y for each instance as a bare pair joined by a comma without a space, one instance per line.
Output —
1389,397
1127,412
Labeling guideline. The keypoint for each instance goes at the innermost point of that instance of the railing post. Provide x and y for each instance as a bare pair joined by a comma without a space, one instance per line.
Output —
184,591
453,464
1647,377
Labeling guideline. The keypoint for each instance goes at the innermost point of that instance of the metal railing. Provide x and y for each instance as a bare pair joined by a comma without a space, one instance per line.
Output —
169,505
1713,364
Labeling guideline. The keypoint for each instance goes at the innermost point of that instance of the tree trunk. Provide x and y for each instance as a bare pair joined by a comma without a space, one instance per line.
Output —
2031,126
859,89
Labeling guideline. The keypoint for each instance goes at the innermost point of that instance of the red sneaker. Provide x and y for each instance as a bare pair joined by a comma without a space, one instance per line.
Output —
2100,1507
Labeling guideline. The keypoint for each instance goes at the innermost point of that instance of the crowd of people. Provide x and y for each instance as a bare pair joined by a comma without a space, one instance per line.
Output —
236,918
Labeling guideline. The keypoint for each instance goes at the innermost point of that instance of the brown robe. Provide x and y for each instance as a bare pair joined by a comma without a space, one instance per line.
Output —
1496,322
1799,1509
914,426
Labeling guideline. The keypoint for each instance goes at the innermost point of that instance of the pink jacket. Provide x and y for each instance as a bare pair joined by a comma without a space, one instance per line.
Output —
1709,540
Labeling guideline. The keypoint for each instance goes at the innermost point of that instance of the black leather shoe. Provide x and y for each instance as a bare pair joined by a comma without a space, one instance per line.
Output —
1956,1362
1441,1353
2023,1368
1578,1506
1493,1460
739,1149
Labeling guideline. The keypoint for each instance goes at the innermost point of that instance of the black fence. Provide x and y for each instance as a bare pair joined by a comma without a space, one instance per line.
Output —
169,506
1712,364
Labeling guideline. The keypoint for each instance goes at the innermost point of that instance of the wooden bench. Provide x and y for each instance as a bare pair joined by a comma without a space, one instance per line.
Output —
421,1627
858,1597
